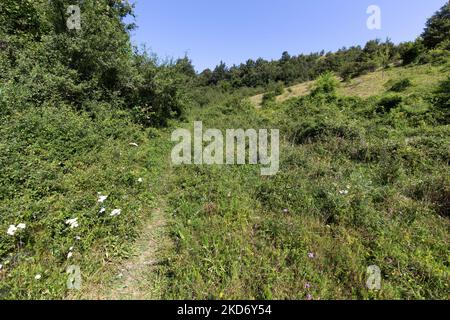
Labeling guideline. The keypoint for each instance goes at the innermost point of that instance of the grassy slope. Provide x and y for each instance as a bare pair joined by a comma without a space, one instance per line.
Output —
235,240
425,77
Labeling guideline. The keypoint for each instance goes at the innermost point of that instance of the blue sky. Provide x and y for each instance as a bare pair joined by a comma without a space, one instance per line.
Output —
235,30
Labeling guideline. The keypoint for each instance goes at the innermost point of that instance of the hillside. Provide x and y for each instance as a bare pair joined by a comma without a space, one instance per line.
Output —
363,181
423,77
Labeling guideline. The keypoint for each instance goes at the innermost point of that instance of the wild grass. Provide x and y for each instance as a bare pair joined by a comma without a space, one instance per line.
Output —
359,185
54,162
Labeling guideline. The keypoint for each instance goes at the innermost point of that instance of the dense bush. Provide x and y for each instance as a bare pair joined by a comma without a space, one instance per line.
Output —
442,101
54,161
273,90
410,52
71,102
326,84
399,85
96,63
387,103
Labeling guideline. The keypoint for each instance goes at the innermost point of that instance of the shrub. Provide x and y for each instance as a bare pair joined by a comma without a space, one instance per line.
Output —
438,56
326,84
411,51
436,190
274,89
268,98
386,104
399,85
349,71
441,100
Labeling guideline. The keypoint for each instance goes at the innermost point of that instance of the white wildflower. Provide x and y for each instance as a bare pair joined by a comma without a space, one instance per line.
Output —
78,238
140,180
116,212
102,210
12,230
102,198
343,192
1,267
69,255
38,277
21,226
73,223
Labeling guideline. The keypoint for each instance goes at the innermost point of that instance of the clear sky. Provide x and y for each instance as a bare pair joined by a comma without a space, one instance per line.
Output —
235,30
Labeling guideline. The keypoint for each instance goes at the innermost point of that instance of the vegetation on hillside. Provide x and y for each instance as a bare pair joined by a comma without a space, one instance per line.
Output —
363,182
84,144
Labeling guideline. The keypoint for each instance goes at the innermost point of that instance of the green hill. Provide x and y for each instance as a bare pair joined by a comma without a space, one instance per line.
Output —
423,77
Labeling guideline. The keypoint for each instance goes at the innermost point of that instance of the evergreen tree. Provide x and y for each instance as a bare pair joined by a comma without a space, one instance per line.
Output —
437,29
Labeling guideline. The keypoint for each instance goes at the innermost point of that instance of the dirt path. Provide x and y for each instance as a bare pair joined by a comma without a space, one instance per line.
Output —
141,277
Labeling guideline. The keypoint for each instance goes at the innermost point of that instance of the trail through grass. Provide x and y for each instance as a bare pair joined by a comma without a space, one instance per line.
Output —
141,275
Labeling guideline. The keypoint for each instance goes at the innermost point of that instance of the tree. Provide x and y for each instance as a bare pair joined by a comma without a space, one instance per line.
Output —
184,66
19,17
205,78
411,51
219,73
285,57
438,28
87,67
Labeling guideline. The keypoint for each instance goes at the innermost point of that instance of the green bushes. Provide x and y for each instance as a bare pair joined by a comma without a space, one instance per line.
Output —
310,130
160,95
441,100
434,190
387,103
273,90
410,52
326,84
19,17
95,63
268,98
54,161
399,85
71,102
317,117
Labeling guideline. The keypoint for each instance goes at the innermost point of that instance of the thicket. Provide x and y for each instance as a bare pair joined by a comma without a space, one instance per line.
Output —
43,62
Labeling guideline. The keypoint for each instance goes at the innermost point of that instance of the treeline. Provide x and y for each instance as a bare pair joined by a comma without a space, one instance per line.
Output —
43,61
346,62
